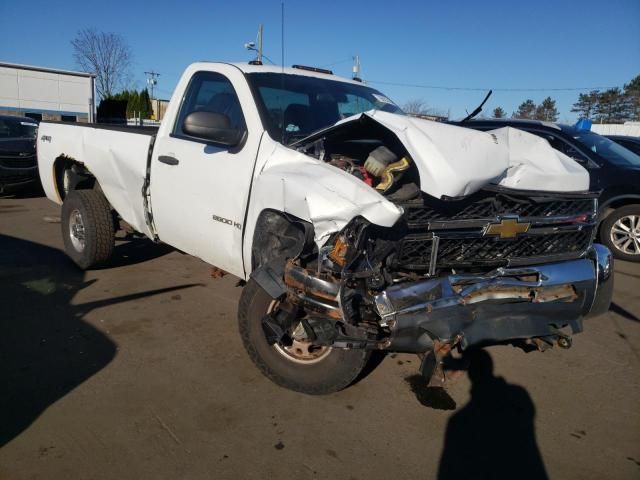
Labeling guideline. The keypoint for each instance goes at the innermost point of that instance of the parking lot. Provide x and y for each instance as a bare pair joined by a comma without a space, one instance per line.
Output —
137,371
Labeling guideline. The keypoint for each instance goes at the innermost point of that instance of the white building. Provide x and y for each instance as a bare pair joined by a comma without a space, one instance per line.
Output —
46,93
627,128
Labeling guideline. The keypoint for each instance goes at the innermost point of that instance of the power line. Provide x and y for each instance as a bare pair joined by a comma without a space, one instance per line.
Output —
483,89
268,59
344,60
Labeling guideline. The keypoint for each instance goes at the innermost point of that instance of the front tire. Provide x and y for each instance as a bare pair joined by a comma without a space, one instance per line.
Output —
87,228
328,372
620,232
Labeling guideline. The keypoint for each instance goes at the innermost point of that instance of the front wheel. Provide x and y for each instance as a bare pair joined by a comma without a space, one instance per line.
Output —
87,228
299,366
620,232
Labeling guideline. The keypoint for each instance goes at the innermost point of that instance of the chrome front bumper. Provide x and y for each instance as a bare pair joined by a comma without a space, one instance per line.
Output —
506,304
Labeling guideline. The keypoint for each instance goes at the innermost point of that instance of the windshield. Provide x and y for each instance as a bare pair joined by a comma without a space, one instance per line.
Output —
607,149
294,106
17,128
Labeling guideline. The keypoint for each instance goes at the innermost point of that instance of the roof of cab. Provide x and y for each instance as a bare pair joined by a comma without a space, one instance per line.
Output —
249,68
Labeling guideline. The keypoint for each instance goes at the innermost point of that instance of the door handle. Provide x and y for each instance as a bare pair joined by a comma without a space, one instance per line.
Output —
168,160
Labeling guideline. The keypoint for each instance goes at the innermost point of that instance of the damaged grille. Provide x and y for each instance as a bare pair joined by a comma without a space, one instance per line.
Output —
415,252
558,229
419,215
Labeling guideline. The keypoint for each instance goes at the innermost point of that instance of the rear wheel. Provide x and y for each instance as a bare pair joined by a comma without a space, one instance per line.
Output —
620,232
300,365
87,228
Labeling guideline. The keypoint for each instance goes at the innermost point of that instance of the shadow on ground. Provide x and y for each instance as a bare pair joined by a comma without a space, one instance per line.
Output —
46,347
31,190
432,397
624,313
492,436
131,251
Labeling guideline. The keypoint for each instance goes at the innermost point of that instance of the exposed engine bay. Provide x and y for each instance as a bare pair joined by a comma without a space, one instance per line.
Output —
375,156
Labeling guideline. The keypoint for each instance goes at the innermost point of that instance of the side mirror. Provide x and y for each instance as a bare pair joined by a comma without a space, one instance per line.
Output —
213,127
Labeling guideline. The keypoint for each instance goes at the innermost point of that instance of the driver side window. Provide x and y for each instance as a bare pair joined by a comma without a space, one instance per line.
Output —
210,92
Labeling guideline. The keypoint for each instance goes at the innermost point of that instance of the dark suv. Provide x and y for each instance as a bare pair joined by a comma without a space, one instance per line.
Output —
18,161
628,142
613,169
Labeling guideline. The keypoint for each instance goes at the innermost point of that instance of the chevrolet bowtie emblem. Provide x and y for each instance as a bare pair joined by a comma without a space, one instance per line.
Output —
508,228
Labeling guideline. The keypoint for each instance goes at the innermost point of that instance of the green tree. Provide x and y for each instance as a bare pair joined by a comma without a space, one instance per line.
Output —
586,104
527,109
133,104
611,106
498,112
547,110
138,103
145,104
632,98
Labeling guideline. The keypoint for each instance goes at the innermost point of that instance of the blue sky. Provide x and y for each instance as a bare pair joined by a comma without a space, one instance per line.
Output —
490,44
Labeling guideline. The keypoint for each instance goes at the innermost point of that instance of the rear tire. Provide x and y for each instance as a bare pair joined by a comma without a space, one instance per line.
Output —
332,372
87,228
620,232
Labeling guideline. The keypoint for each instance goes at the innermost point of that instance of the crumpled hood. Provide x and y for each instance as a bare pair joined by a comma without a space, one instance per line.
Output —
455,161
451,161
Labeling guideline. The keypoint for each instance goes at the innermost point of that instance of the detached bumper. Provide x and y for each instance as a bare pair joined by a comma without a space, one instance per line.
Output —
507,304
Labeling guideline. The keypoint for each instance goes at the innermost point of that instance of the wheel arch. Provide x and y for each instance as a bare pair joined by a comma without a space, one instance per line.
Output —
79,176
607,207
279,235
605,232
620,201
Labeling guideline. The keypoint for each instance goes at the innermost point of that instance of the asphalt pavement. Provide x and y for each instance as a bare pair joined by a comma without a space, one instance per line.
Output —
137,371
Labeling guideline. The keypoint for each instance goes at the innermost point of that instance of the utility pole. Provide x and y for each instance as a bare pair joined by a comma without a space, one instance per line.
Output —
152,81
356,68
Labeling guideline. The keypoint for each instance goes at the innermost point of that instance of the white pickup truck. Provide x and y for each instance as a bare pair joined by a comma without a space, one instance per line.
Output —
357,227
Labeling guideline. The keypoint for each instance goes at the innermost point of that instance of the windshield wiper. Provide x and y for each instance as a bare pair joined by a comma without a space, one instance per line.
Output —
294,137
478,108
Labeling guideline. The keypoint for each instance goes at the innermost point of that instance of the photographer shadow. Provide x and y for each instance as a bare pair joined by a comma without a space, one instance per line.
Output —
492,436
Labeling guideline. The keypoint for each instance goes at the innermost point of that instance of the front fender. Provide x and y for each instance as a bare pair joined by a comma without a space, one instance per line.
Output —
296,184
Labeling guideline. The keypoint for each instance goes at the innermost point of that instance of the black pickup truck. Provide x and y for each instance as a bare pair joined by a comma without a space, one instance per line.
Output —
18,162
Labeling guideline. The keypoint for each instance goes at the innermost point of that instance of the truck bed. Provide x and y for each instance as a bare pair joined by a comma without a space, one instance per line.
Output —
116,155
142,130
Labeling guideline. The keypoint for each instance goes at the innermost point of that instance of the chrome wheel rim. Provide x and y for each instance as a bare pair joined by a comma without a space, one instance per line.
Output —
66,181
76,230
301,350
625,235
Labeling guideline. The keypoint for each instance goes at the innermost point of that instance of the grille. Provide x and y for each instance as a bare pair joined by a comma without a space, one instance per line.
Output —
18,162
463,245
419,215
415,252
